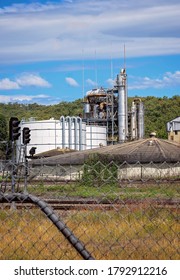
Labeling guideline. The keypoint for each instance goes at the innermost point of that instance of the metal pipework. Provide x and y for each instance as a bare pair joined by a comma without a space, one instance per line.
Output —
122,106
75,140
74,119
86,108
68,119
139,118
141,121
77,136
80,133
133,121
62,120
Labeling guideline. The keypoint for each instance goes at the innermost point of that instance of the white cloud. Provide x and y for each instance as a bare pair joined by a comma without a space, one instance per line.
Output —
22,98
71,82
172,78
23,81
59,31
5,99
169,79
111,82
91,83
7,84
32,80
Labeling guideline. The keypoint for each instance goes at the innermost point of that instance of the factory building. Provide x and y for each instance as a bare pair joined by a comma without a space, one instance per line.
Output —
106,120
173,129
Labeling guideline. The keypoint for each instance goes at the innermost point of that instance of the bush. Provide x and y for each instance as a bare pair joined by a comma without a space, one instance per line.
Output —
98,171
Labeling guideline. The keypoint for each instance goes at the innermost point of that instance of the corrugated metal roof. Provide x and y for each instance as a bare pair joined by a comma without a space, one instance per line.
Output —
174,124
144,151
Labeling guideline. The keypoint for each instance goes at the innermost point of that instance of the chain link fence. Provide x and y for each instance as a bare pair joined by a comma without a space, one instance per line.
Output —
95,210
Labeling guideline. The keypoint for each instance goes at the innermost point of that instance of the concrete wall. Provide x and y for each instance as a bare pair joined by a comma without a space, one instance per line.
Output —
150,171
125,172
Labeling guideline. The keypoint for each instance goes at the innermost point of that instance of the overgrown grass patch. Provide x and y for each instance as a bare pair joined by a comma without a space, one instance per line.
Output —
148,233
107,191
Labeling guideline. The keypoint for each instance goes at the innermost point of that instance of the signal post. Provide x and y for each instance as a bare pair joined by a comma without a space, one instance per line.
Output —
26,140
14,133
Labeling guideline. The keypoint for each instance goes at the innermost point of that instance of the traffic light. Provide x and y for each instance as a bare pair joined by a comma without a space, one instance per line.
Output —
26,135
14,129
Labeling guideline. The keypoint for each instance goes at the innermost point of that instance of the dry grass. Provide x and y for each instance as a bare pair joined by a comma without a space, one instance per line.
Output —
146,233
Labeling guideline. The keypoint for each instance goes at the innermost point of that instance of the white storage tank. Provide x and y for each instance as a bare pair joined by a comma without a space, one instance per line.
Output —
96,136
67,132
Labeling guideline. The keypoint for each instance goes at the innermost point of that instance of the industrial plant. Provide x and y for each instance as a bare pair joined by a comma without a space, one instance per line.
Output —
109,108
105,120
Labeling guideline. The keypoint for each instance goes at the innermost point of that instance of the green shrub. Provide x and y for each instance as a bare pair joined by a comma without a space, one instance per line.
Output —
98,171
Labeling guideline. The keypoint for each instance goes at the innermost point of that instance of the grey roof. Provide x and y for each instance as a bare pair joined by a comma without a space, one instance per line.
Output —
174,124
53,152
177,119
144,151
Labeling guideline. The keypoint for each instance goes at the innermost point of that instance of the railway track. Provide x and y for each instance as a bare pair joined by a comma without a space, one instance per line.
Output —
57,181
90,205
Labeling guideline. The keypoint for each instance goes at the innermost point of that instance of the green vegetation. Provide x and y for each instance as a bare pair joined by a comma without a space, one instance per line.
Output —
106,192
158,111
95,171
41,112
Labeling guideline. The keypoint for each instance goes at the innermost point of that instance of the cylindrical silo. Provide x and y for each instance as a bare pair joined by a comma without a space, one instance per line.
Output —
141,120
133,121
68,132
96,136
86,107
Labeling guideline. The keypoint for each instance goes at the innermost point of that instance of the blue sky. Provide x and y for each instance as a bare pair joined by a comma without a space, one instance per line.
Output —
53,51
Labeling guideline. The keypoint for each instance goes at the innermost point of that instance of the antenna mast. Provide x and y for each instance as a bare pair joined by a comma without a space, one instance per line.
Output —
96,70
111,66
124,56
83,73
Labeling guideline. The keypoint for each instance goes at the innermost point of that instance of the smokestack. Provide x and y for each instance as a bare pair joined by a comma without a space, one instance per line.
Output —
122,106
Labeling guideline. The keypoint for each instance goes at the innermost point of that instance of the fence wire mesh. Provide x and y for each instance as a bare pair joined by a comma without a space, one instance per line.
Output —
115,211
